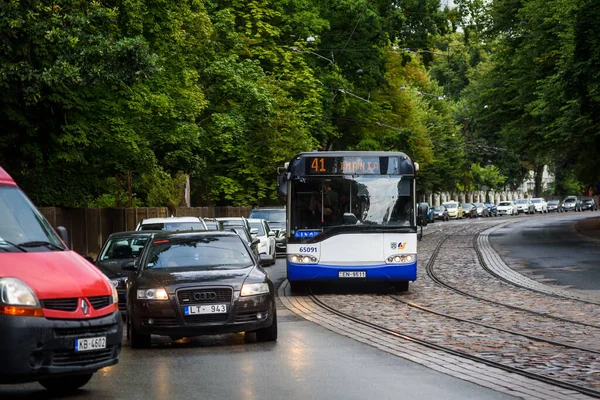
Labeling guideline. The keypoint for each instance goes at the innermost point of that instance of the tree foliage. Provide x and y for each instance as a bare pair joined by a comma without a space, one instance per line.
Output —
116,100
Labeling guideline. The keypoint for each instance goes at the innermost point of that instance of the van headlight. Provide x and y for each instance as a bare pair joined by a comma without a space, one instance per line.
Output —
15,292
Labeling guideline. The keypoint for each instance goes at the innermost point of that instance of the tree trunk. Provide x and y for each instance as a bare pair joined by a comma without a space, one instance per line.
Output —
538,173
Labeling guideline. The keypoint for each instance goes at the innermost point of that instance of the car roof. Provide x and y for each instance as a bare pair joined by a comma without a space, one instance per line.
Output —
255,219
6,179
170,219
273,208
190,234
131,234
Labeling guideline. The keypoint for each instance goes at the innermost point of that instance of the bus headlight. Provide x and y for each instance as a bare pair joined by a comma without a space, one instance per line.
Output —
401,259
302,259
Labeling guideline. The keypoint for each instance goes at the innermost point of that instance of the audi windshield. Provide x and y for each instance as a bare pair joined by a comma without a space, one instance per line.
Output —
198,253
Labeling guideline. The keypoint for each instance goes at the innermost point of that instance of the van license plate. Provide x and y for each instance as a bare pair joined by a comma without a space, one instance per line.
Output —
87,344
352,274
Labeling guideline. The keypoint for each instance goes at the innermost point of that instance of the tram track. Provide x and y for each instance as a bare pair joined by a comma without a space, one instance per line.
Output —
543,347
461,354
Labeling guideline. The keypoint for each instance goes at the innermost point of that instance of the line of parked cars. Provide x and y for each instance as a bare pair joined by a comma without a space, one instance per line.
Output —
455,210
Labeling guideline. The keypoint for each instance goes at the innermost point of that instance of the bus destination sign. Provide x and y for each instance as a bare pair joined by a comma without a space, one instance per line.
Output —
347,165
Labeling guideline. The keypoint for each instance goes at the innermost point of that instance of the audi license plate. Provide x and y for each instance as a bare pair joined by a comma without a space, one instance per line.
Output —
87,344
352,274
212,309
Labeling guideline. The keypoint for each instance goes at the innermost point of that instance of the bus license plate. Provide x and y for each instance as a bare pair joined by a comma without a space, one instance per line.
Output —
352,274
212,309
87,344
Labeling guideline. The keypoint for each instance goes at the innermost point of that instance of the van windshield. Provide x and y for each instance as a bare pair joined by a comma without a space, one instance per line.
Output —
23,228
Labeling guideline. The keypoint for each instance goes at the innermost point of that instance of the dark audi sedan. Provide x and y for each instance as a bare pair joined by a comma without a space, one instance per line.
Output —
198,283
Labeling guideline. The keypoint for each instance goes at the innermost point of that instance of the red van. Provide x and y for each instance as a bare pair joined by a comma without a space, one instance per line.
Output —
59,315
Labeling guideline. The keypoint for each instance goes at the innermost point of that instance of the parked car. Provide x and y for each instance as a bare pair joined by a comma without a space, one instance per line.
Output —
454,209
266,237
59,316
440,212
540,205
588,204
571,203
172,224
230,222
492,208
212,224
507,208
198,283
276,218
482,210
555,206
118,249
430,215
525,206
469,210
251,241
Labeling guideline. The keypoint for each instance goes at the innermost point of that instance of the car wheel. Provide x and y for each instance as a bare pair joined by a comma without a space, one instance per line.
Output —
66,384
268,334
137,340
400,286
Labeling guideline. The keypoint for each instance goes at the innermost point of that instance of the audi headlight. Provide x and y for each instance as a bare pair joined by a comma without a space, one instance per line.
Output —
152,294
302,259
401,259
253,289
14,292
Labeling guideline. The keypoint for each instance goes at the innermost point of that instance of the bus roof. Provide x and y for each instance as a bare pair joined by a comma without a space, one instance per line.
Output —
340,163
5,178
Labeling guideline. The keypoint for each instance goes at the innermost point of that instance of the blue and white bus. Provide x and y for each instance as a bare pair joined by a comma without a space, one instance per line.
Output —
351,216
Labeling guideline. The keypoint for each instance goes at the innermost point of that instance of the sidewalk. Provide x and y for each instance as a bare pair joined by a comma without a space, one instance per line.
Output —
589,227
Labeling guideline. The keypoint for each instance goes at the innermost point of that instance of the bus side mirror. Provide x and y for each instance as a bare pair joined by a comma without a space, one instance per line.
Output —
422,215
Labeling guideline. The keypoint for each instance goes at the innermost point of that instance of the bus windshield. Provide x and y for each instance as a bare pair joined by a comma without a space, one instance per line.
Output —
356,202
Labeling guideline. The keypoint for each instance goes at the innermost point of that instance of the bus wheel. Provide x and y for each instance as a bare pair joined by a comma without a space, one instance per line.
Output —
298,287
401,286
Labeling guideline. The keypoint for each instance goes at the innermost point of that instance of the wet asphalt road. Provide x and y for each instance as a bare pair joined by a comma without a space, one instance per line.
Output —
307,362
310,362
561,249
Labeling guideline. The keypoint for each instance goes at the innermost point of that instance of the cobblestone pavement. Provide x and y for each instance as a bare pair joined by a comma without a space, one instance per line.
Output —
537,332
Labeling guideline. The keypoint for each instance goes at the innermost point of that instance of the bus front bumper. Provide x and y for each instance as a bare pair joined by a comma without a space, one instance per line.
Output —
381,272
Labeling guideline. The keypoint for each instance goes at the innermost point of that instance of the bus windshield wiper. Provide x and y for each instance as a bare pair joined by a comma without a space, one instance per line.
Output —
40,243
13,245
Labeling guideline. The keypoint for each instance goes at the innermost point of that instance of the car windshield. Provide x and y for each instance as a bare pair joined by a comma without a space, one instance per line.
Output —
536,201
276,216
22,227
226,252
258,226
450,205
174,226
588,201
505,203
467,206
570,200
521,201
553,202
122,247
438,208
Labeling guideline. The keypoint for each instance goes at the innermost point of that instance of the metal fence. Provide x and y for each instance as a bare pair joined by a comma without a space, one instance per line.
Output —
89,227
